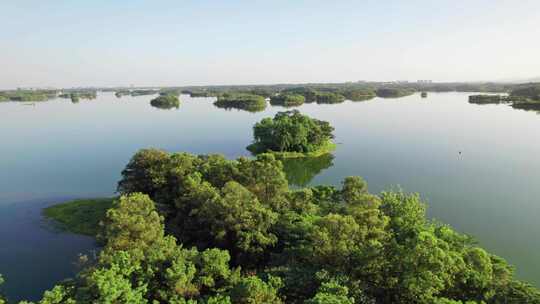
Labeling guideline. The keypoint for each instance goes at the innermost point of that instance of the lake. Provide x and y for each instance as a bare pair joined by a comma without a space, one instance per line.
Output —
55,150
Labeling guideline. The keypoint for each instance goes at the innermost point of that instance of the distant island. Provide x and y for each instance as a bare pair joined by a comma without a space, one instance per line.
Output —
241,101
287,100
165,102
526,97
291,134
28,95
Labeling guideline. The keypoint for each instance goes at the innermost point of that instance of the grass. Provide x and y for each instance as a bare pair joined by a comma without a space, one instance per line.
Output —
80,216
325,149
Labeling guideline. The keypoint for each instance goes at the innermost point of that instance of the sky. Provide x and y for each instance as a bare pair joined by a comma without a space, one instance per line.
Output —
66,43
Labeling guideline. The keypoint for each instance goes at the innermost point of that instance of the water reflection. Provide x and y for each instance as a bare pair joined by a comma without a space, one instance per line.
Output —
249,108
300,171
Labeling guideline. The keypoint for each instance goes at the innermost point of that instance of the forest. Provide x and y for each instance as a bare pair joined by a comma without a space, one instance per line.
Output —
204,229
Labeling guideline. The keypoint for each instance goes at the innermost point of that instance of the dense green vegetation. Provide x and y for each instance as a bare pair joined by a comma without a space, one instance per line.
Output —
137,92
292,134
329,97
310,95
287,100
2,298
28,95
76,95
358,94
202,94
165,102
393,92
487,99
79,216
423,94
526,97
242,101
204,229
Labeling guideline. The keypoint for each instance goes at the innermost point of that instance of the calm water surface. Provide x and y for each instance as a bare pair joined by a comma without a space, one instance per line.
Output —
56,150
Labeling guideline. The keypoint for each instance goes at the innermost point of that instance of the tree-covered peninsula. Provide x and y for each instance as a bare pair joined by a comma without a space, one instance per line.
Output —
165,102
292,134
241,101
287,100
205,229
526,97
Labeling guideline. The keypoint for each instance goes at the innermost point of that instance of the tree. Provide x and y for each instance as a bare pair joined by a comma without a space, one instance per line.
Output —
146,172
331,293
132,224
239,223
253,290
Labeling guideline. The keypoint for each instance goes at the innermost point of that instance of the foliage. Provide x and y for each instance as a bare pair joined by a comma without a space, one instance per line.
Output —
359,94
291,131
393,92
79,216
254,240
165,102
526,97
2,299
139,264
486,99
28,95
531,91
329,97
287,100
78,94
242,101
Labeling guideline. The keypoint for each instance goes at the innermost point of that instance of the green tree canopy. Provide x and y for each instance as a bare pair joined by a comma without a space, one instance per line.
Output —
168,101
291,131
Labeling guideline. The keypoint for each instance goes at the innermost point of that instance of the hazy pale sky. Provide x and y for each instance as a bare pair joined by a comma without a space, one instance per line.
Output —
65,43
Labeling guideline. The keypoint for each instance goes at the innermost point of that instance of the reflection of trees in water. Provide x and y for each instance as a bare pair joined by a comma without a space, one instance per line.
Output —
248,108
300,171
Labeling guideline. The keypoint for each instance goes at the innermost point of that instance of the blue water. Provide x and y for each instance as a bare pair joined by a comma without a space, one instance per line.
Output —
55,150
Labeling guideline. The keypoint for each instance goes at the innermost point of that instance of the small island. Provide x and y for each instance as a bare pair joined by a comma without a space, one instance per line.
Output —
287,100
291,134
329,98
241,101
165,102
